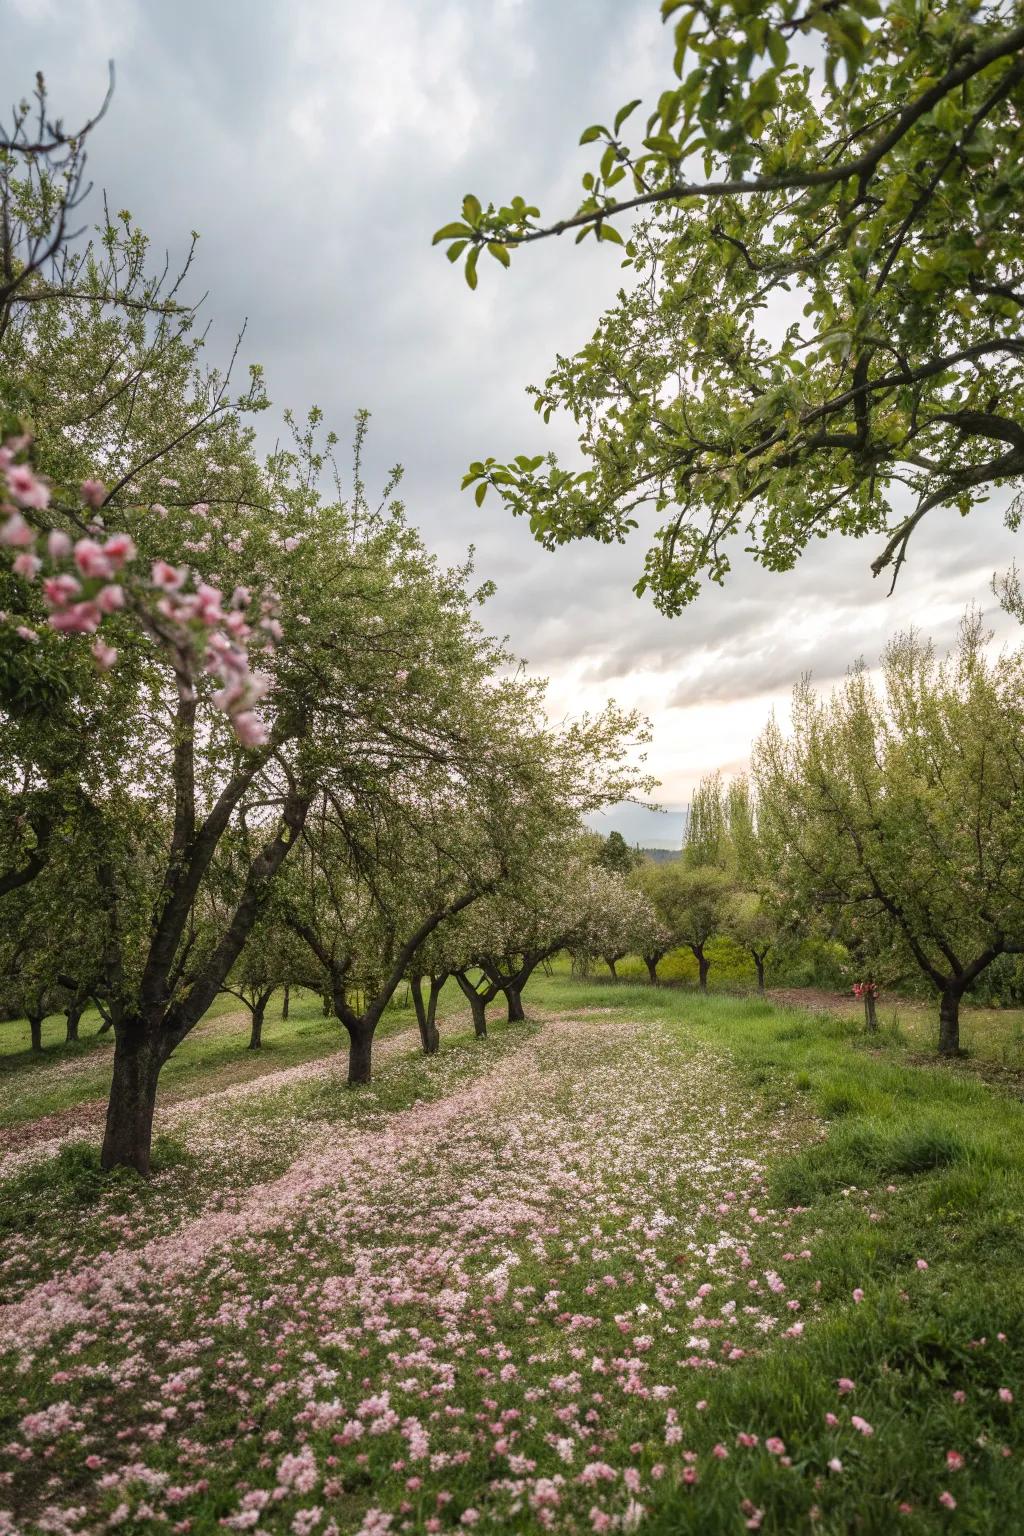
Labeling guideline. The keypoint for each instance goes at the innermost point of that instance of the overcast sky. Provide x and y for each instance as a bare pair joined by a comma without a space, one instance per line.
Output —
316,145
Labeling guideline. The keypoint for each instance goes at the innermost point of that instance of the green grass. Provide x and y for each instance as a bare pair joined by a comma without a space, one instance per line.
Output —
988,1035
939,1158
213,1056
883,1164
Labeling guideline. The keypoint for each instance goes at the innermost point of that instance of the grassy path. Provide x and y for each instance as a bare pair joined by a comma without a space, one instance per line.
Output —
666,1266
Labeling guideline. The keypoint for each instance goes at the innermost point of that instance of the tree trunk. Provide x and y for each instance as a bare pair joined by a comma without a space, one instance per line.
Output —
477,1005
703,966
35,1024
949,1022
256,1033
652,970
870,1011
284,1005
328,1005
515,1005
433,1040
759,962
73,1016
611,966
106,1026
424,1018
127,1141
360,1048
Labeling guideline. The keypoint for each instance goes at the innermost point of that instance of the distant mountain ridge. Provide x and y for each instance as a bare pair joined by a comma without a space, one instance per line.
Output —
662,855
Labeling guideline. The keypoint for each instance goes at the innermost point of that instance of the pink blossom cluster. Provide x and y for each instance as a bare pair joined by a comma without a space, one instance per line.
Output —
86,580
865,989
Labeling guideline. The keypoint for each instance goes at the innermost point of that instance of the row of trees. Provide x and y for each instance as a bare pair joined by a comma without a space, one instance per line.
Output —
889,817
246,717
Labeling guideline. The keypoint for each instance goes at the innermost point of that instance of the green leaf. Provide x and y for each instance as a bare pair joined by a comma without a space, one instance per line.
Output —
471,209
471,261
606,232
450,232
624,112
778,48
499,252
590,134
456,249
480,493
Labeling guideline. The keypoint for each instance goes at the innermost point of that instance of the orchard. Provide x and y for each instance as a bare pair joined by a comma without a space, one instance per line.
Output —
400,1132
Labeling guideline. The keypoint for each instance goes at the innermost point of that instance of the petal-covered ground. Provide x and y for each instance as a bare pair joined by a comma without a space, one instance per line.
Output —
502,1306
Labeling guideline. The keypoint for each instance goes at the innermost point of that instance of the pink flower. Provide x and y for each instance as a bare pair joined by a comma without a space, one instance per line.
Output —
470,1516
947,1500
58,544
922,1263
858,1295
111,598
16,533
26,633
691,1476
720,1451
1005,1395
249,729
954,1460
845,1385
106,655
79,619
92,561
120,548
959,1396
27,565
831,1420
835,1465
861,1425
27,488
58,590
167,577
93,492
775,1446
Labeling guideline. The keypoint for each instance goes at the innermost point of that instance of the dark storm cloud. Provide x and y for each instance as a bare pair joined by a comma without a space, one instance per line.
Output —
316,146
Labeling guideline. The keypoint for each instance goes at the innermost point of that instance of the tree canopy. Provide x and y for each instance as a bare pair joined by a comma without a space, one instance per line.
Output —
899,813
822,330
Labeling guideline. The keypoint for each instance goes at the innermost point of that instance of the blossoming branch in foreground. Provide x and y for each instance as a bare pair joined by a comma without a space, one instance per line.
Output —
186,623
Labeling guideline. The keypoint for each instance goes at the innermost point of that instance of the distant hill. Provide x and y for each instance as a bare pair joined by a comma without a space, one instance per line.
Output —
662,855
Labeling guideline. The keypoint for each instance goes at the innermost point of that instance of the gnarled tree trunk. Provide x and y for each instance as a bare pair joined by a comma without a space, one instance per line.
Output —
652,969
129,1130
73,1015
284,1005
477,1004
360,1053
611,966
35,1025
759,963
703,966
515,1005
